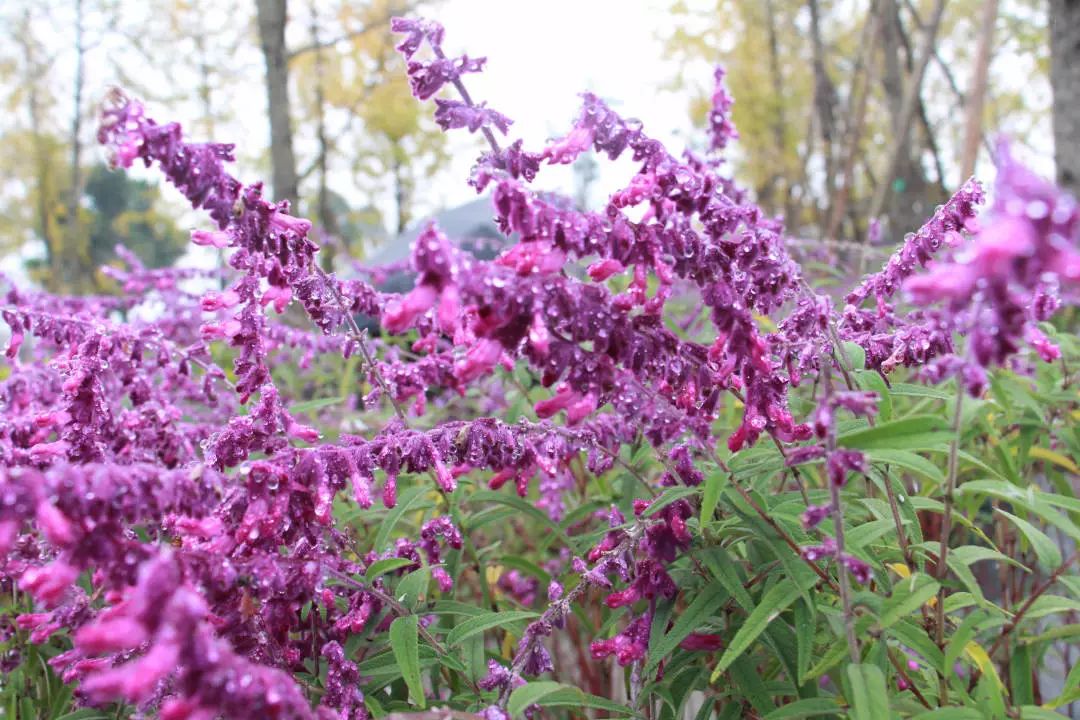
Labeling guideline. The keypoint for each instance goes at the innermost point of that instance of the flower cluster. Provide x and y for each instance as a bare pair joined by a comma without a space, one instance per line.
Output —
182,522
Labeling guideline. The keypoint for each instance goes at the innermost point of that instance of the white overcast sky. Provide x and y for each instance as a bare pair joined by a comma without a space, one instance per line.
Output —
541,54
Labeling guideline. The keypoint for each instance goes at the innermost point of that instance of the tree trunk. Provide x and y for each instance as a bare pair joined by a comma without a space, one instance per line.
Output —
1065,82
327,219
42,165
401,194
824,103
76,267
899,152
272,16
855,120
976,95
776,193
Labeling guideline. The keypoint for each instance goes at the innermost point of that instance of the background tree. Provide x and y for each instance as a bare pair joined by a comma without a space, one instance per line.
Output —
368,130
821,88
1065,79
272,17
126,211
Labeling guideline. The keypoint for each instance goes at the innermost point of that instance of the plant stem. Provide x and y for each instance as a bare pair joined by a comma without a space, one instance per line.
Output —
838,531
946,531
561,608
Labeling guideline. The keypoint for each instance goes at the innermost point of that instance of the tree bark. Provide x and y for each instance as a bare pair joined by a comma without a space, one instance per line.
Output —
272,17
976,95
824,102
779,127
42,165
900,146
76,267
327,219
1065,83
855,119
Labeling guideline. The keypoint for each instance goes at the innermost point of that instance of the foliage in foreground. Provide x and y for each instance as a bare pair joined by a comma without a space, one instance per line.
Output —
635,466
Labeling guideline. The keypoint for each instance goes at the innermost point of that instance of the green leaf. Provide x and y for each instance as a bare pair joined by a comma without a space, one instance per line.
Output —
959,640
667,497
1045,548
916,432
804,632
406,500
951,713
774,602
907,597
531,694
411,589
1023,691
710,496
746,676
1052,605
312,405
568,696
480,623
909,461
406,647
386,565
920,391
704,604
871,380
1034,712
854,354
864,534
810,707
525,508
1030,498
911,633
869,696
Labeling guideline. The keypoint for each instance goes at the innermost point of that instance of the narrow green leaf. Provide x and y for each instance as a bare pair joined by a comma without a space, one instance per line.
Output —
869,696
1034,712
951,713
805,625
1023,691
480,623
747,678
526,508
916,432
909,461
386,565
704,604
412,588
774,602
1045,548
531,694
810,707
920,391
907,597
676,492
871,380
710,496
311,405
910,632
567,696
406,646
405,501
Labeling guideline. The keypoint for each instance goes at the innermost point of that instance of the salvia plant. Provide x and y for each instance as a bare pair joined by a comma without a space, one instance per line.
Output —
645,463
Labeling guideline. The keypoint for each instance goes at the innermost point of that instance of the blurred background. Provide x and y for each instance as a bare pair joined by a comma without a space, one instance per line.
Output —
847,109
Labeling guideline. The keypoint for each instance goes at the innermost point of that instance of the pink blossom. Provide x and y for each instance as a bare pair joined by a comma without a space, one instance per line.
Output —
399,315
50,582
57,528
214,238
113,635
